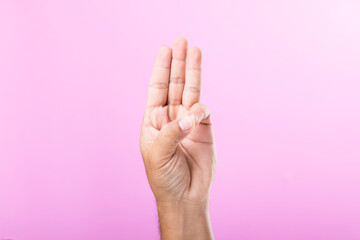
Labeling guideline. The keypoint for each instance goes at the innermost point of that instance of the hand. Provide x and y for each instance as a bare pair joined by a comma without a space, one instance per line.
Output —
177,142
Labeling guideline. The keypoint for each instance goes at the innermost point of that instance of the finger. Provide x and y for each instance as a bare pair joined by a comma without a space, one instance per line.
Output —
159,82
192,88
202,132
200,113
171,135
177,75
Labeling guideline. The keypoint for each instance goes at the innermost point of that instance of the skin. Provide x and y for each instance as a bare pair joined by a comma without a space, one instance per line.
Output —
177,143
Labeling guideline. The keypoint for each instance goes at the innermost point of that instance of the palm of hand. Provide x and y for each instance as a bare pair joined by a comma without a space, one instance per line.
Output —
180,165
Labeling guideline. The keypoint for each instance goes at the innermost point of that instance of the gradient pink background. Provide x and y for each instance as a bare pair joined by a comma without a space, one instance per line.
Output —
282,79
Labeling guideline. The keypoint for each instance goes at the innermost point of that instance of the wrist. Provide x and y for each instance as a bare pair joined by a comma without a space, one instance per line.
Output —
182,209
184,220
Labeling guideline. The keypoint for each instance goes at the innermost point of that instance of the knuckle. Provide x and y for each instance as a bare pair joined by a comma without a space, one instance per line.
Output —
177,80
159,85
195,90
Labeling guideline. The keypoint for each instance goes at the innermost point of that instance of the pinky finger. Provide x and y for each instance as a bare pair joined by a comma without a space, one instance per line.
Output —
200,113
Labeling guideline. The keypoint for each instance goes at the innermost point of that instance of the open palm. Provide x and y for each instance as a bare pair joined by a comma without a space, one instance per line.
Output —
176,140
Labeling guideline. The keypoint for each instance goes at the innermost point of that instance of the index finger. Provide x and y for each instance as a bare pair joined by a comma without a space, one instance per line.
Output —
159,82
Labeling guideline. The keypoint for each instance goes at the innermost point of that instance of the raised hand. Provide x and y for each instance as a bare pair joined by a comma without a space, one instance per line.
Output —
177,142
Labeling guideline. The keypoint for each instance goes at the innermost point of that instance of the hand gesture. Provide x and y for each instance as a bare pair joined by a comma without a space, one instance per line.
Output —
177,142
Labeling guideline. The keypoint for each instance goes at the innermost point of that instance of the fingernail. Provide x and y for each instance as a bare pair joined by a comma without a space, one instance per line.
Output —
199,118
186,123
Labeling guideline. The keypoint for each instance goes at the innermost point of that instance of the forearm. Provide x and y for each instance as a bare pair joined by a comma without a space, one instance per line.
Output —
179,221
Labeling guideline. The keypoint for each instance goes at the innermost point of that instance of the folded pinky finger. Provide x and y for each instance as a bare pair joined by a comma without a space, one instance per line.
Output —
200,113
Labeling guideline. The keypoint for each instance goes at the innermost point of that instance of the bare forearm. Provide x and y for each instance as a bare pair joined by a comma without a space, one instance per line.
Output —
179,221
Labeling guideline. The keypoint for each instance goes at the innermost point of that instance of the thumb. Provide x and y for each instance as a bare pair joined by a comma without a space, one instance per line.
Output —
172,133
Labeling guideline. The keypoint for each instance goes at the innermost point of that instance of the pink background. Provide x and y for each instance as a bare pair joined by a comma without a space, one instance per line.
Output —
282,79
